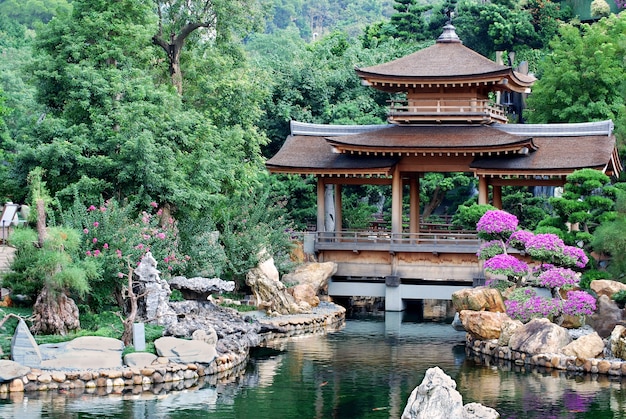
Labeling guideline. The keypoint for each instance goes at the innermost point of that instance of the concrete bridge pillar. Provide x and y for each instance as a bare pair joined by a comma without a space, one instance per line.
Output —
393,296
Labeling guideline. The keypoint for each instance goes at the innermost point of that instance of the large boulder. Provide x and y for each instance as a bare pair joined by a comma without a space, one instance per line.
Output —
606,287
86,352
11,369
484,325
585,347
607,315
156,293
540,336
315,274
509,327
183,351
437,398
304,293
24,348
478,299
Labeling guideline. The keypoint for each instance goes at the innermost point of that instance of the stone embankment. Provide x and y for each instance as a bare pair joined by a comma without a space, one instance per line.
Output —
144,372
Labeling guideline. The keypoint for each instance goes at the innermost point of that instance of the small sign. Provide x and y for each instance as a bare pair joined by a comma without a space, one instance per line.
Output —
139,336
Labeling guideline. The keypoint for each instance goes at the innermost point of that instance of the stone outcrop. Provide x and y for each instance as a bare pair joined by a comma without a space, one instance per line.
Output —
24,348
270,294
539,336
617,341
509,327
478,299
155,303
606,317
606,287
315,274
483,324
139,359
199,288
10,370
437,398
87,352
585,347
183,351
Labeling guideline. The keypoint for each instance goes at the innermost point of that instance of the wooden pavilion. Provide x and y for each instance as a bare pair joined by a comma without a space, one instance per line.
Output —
446,123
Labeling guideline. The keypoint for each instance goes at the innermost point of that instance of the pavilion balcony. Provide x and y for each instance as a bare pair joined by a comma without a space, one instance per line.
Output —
420,111
430,241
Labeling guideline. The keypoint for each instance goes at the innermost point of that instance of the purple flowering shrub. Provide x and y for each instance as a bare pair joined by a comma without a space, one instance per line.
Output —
519,238
558,278
579,303
496,224
533,308
506,265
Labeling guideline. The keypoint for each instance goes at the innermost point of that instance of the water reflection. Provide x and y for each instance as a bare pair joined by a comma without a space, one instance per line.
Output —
365,370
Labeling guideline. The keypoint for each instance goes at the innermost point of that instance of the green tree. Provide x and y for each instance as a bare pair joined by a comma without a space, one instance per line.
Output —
583,78
33,12
408,20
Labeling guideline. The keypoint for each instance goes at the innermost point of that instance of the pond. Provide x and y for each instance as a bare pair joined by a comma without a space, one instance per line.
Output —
365,370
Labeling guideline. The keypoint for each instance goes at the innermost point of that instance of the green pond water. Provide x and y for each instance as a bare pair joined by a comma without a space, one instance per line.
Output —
365,370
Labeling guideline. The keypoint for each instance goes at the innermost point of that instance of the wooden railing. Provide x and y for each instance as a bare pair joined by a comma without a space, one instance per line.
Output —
425,241
446,109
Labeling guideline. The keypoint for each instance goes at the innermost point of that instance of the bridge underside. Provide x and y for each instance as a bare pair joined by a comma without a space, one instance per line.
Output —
398,276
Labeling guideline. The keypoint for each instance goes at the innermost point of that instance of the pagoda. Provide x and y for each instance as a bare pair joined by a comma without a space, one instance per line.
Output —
446,121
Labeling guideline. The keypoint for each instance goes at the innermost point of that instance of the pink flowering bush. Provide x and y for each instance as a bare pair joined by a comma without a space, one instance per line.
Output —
519,238
116,236
532,308
496,224
543,247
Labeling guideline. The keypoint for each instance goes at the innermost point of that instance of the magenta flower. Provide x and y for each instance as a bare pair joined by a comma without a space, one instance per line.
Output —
88,252
574,256
579,303
95,240
519,239
558,277
86,231
96,224
161,235
120,275
154,204
118,252
490,249
506,265
91,208
96,252
106,245
497,222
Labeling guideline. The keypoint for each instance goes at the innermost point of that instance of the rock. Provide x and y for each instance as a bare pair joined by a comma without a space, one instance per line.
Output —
457,324
478,411
87,352
233,332
508,329
437,310
207,335
617,341
314,273
478,299
185,351
484,325
304,293
539,336
199,288
11,369
139,359
572,322
437,398
585,347
155,303
24,348
271,294
606,287
607,315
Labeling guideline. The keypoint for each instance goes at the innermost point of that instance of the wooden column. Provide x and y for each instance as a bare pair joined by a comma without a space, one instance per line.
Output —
483,191
497,196
396,202
321,204
414,199
338,203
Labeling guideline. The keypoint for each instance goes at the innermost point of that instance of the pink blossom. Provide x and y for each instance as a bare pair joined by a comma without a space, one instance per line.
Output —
579,303
96,252
496,222
106,245
119,253
558,277
103,209
96,224
91,208
506,265
161,235
120,275
159,212
95,240
154,204
88,252
86,231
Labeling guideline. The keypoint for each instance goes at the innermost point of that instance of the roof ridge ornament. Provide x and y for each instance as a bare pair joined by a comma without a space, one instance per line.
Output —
449,35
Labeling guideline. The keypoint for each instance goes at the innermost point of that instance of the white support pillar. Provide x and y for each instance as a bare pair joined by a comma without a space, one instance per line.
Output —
329,212
338,208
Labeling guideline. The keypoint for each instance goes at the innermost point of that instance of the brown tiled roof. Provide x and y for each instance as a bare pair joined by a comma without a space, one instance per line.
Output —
555,155
403,138
314,155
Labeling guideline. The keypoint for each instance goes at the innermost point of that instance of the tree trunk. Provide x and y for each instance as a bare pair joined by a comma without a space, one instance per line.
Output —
434,202
130,319
41,222
54,315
